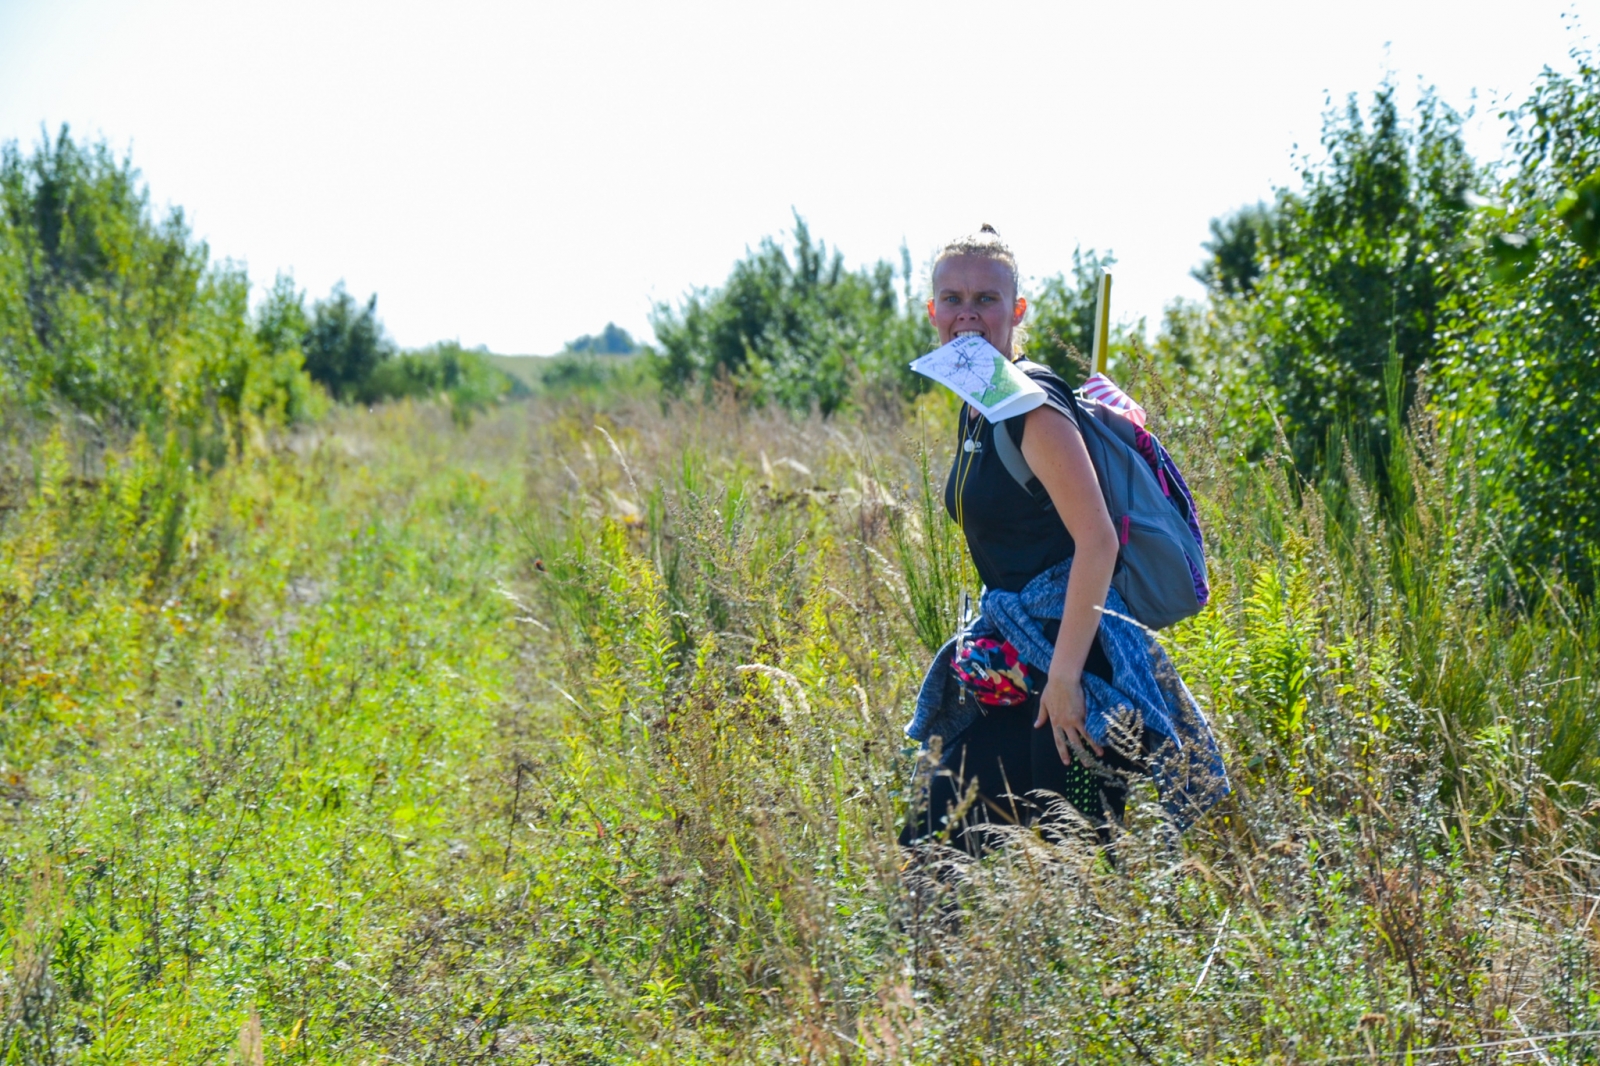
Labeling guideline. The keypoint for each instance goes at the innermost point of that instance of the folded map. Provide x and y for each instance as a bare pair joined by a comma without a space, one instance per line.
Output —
974,370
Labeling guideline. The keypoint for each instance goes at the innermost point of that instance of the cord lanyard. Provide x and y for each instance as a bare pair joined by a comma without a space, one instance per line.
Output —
970,447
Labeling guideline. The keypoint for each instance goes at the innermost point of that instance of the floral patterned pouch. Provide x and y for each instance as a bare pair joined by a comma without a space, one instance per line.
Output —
993,671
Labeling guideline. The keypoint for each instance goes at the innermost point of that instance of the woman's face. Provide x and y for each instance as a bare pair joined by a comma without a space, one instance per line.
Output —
974,294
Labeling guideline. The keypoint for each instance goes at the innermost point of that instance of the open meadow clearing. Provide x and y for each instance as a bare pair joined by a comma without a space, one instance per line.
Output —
574,735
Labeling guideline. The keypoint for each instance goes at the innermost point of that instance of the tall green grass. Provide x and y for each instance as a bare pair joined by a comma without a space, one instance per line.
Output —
573,735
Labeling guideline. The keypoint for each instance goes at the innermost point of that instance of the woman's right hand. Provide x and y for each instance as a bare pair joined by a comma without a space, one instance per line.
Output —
1061,704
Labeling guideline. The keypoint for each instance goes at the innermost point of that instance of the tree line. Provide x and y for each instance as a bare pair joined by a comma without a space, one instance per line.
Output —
1395,267
121,317
1395,262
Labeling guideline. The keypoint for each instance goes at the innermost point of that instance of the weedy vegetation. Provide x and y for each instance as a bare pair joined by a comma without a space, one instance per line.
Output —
574,735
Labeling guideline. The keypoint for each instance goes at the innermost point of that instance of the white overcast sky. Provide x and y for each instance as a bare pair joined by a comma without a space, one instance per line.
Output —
518,174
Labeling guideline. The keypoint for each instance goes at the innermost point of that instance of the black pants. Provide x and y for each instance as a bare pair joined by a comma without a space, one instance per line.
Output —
1020,776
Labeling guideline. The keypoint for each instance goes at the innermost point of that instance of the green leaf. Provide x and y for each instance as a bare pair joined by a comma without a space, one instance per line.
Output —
1512,255
1579,208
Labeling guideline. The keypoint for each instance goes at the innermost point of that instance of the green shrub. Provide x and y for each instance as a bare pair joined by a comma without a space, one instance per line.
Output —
464,378
105,310
1521,354
1356,263
1060,322
803,333
598,376
344,343
1375,260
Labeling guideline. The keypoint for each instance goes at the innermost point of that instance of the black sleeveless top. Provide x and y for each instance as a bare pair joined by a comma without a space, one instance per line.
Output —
1011,538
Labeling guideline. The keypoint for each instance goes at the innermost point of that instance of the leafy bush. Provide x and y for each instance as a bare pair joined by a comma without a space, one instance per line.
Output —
465,378
1060,322
1356,263
800,334
347,352
599,376
1520,364
344,343
120,316
613,340
1378,263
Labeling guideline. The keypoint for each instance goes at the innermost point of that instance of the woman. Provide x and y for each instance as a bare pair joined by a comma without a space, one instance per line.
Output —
1030,742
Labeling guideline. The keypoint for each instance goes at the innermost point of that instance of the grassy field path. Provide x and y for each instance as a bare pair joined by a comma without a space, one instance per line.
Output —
573,735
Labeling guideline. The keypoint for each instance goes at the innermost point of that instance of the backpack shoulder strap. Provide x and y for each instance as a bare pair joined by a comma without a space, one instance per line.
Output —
1040,372
1005,446
1005,442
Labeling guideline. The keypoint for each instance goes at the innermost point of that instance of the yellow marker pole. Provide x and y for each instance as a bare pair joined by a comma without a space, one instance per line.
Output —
1102,322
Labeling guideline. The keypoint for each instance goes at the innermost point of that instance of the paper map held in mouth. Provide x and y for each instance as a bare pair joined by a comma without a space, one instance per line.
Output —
974,370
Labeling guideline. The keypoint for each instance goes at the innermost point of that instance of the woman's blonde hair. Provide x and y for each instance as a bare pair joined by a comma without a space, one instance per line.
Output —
986,244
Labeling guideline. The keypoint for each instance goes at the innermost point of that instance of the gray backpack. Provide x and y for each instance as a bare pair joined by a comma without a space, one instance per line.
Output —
1161,565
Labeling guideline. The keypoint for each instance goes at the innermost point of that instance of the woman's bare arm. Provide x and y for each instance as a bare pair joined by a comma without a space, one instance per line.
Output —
1055,451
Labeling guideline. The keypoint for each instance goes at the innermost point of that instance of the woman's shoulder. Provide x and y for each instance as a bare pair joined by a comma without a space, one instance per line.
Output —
1058,394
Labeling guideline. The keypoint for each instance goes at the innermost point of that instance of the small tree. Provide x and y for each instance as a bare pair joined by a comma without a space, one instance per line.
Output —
121,316
344,343
1240,244
800,331
613,340
1060,324
1521,343
105,288
1354,265
281,321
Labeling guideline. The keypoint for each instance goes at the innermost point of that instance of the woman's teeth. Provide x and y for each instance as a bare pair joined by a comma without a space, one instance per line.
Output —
970,333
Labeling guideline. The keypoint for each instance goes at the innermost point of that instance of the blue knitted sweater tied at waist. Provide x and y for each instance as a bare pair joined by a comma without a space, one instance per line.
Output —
1185,763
